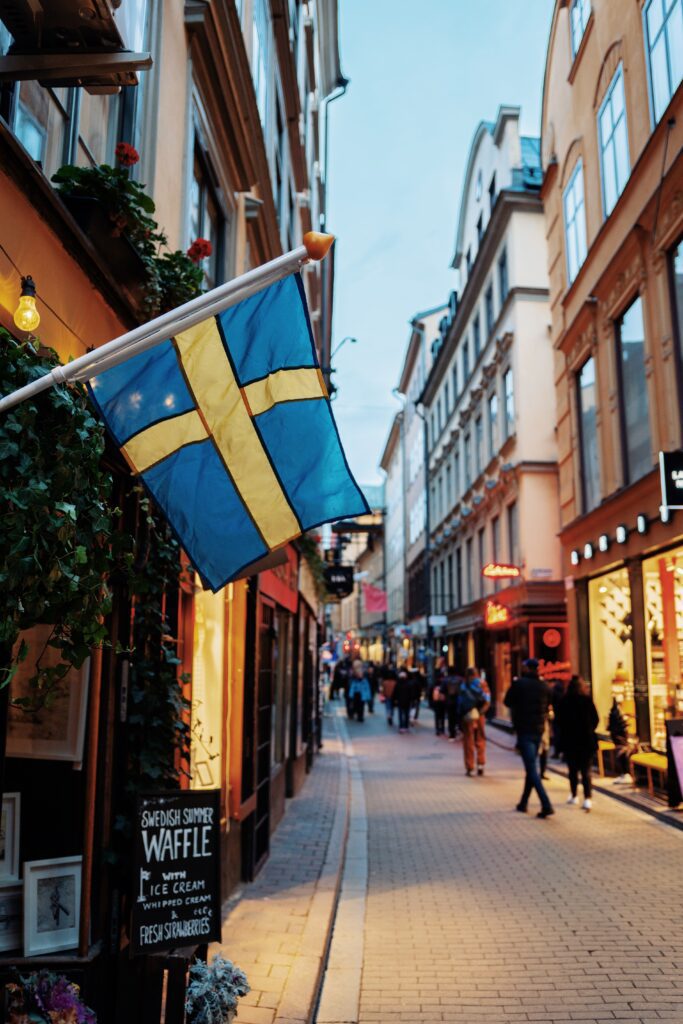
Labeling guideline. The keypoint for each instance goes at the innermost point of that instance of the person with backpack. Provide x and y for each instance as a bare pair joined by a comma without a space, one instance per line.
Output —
528,699
474,699
358,692
451,688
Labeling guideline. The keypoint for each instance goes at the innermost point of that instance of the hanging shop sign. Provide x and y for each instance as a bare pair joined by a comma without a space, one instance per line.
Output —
338,580
177,898
501,571
496,615
674,754
671,474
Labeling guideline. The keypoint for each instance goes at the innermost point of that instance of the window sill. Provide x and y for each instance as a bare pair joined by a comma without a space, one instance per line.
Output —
582,46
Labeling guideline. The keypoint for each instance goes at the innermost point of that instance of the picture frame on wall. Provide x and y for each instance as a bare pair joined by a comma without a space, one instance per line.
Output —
55,732
52,904
11,899
9,838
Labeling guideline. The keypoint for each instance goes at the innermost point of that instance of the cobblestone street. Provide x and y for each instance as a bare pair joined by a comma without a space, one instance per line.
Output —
478,913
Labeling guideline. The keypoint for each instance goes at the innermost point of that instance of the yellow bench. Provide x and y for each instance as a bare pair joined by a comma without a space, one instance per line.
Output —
603,745
651,763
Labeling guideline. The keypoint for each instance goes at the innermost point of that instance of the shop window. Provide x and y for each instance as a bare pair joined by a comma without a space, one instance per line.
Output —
663,594
575,223
588,435
207,689
635,416
611,646
664,48
613,133
206,219
493,424
579,13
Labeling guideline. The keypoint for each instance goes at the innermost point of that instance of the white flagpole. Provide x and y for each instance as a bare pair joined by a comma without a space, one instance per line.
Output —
183,317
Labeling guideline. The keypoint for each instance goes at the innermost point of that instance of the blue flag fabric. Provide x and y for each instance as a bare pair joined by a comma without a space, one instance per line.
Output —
230,427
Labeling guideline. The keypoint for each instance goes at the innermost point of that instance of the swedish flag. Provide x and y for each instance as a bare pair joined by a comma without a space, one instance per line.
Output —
230,427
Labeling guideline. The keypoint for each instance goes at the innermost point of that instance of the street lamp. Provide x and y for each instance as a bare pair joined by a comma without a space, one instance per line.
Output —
354,341
329,370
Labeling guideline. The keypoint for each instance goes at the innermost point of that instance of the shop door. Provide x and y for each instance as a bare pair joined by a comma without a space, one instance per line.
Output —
264,710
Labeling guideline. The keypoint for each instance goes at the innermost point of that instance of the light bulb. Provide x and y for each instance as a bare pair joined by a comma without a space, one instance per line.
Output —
26,316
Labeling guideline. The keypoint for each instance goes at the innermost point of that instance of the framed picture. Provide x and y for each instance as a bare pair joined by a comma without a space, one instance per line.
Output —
10,918
9,838
52,904
56,732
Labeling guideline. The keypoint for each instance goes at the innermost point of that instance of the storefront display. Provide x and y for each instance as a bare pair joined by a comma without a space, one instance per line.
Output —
609,600
663,597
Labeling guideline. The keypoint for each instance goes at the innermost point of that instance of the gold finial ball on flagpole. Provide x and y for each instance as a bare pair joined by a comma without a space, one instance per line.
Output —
317,244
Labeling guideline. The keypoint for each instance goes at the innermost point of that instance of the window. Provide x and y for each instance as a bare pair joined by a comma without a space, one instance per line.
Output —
454,376
513,533
677,291
635,417
449,582
479,444
476,334
480,228
664,43
465,361
446,400
468,460
468,260
611,647
492,193
458,577
588,435
493,424
206,219
509,403
495,545
469,596
439,500
438,415
456,475
503,286
579,13
613,134
449,489
435,589
259,57
480,560
488,306
575,223
433,429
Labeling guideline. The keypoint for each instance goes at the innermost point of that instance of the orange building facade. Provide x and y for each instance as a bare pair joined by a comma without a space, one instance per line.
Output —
612,130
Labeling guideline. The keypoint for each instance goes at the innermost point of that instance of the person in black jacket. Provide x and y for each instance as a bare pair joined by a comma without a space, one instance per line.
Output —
528,699
577,720
403,695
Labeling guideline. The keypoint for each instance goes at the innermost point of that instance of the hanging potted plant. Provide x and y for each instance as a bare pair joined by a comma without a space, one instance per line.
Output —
213,992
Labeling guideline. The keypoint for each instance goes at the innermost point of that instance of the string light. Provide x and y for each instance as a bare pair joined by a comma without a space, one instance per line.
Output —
45,302
26,316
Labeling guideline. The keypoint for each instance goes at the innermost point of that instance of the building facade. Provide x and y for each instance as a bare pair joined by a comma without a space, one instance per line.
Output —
229,122
612,133
424,329
490,407
393,464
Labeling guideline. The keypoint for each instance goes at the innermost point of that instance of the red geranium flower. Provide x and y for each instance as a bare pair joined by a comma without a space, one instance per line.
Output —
126,154
199,250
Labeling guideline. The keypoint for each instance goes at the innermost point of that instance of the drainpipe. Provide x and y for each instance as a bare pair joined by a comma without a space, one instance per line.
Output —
328,266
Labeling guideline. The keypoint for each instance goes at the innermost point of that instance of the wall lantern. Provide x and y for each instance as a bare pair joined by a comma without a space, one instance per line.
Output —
641,523
575,557
621,534
588,551
603,542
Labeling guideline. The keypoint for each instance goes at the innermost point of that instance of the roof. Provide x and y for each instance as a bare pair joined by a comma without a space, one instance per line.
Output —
427,312
391,442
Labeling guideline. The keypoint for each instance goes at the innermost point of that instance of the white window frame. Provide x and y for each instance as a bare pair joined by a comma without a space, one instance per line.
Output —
582,9
607,147
571,225
667,19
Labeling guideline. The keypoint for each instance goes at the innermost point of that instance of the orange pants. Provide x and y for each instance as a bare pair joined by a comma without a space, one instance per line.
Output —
474,738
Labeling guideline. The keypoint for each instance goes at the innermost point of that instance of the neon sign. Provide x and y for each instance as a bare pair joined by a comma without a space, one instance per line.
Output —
496,614
500,571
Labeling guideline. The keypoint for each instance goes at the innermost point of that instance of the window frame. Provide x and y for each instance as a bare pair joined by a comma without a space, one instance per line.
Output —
578,5
582,453
578,169
503,275
617,77
628,478
654,120
677,320
489,309
509,420
492,422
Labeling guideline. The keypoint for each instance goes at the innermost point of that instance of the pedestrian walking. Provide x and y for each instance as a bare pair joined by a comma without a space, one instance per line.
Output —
416,683
403,695
577,720
528,699
373,680
474,699
358,692
617,727
438,699
340,678
389,677
451,688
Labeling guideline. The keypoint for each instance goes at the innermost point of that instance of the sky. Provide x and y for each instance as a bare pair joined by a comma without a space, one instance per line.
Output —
422,78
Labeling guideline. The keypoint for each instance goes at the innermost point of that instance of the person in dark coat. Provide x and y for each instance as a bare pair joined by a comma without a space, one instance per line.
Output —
340,679
617,727
451,688
528,699
577,720
403,696
438,698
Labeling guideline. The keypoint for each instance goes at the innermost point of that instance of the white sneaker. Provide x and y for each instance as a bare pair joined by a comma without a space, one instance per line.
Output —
586,805
621,780
572,800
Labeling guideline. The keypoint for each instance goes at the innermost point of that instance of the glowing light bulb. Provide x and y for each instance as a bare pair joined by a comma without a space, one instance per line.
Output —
26,316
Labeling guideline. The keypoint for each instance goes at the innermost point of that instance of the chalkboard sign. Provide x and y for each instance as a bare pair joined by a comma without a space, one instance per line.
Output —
176,898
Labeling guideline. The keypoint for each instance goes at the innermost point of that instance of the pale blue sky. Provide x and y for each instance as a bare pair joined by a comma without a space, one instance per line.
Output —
422,77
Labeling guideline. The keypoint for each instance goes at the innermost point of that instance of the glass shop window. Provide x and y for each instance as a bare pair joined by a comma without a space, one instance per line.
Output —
663,593
609,603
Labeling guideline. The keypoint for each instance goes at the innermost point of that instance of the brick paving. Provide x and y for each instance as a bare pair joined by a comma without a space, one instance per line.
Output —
276,928
476,913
